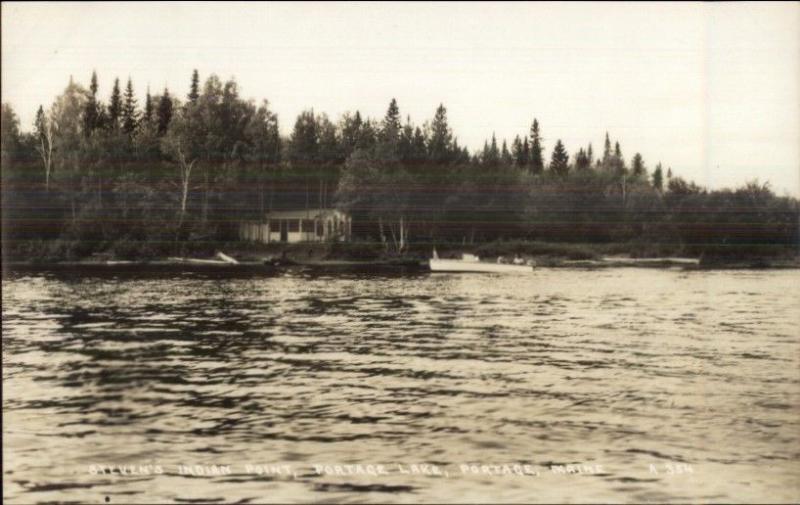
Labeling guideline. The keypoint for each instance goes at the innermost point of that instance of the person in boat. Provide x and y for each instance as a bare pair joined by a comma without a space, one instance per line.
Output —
518,260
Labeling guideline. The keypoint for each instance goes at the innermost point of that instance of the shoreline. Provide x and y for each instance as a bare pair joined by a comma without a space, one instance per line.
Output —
379,265
366,255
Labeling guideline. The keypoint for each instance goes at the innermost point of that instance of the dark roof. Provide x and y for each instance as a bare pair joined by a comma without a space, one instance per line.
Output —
303,214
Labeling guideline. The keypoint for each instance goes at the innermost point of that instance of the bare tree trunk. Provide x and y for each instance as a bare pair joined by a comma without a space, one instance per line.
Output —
186,173
403,236
46,151
383,236
394,238
624,191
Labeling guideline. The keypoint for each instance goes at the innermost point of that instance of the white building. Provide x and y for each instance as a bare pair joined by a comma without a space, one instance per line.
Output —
312,225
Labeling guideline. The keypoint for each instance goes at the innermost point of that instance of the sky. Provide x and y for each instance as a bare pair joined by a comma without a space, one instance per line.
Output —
711,90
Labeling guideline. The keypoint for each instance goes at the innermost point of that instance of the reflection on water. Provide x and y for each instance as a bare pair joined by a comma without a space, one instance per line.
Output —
619,368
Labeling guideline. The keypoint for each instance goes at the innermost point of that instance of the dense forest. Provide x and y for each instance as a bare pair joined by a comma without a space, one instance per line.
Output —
142,177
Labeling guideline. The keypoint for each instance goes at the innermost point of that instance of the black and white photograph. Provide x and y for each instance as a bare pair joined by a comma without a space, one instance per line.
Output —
400,252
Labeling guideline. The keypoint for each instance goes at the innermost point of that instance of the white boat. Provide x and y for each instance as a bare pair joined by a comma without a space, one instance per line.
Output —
471,263
224,259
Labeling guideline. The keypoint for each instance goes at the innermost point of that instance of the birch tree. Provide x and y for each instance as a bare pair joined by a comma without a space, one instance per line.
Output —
44,146
180,145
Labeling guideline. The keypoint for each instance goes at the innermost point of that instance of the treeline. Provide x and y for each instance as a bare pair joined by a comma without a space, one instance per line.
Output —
167,174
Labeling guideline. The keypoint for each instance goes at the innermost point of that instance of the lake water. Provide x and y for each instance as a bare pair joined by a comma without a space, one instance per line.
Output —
654,385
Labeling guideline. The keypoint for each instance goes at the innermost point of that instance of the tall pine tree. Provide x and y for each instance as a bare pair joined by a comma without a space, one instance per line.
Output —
537,152
491,154
505,155
390,133
91,113
390,129
619,161
637,165
441,139
148,107
582,161
559,163
115,106
607,161
194,88
130,116
516,151
658,178
164,112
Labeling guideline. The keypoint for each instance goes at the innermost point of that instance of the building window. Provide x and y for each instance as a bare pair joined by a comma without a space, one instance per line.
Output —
274,226
320,229
308,226
293,225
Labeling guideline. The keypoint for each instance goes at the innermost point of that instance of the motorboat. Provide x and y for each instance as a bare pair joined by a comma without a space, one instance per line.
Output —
472,263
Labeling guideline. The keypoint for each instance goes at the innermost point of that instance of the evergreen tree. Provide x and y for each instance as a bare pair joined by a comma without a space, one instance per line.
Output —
194,88
658,178
590,155
637,165
93,85
464,156
390,129
537,152
526,152
115,106
40,123
91,114
491,154
10,136
619,162
505,155
559,163
164,112
419,145
130,116
148,106
441,139
607,151
582,161
516,151
405,141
